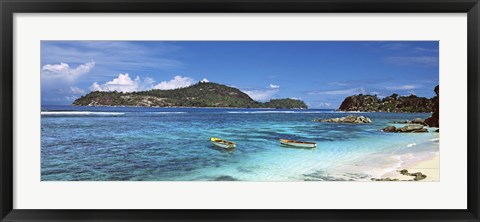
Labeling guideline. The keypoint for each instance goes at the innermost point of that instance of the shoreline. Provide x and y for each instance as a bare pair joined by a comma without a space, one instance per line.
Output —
196,107
210,107
187,107
429,166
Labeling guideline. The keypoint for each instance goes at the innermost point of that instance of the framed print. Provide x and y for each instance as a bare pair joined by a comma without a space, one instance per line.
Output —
231,110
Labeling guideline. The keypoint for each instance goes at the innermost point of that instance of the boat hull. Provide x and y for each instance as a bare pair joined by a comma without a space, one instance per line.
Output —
222,143
224,146
298,144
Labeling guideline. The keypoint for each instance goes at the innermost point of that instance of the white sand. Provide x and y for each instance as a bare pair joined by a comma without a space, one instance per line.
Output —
429,167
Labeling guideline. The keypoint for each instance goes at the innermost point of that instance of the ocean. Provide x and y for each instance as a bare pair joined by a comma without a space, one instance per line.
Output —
173,144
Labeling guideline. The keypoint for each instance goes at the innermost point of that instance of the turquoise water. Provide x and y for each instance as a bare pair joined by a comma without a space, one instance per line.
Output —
172,144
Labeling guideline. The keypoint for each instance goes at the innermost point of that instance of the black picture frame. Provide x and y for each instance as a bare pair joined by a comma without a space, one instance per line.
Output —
9,7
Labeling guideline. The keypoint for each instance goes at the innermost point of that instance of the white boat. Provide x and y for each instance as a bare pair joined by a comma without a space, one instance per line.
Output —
298,144
223,143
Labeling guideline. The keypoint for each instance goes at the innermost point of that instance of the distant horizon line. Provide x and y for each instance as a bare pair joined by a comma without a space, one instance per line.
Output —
185,107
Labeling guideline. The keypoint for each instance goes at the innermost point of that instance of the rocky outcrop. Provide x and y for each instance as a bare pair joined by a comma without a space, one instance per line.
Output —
406,129
392,103
416,176
412,129
364,103
433,121
390,129
418,121
385,179
413,121
225,178
348,119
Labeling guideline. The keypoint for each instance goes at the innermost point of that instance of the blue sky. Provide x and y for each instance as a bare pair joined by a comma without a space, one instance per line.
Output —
321,73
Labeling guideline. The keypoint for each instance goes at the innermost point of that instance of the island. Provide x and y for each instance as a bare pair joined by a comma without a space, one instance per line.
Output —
392,103
202,94
396,103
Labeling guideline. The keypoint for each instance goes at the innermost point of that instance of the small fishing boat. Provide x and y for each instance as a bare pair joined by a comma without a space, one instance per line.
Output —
223,143
298,144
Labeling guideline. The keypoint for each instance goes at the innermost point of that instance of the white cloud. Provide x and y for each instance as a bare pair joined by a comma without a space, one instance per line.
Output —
70,98
320,105
113,55
421,49
176,82
402,87
323,104
64,72
58,81
413,60
77,91
379,94
123,83
260,94
272,86
56,67
63,93
95,87
338,83
149,80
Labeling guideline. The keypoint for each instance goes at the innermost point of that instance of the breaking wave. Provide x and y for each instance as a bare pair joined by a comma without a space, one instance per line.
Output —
80,113
167,112
249,112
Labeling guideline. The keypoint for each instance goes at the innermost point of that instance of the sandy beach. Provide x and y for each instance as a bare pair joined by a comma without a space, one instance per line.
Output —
429,167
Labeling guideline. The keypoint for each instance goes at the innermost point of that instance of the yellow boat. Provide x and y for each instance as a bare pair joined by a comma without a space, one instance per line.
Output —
223,143
298,144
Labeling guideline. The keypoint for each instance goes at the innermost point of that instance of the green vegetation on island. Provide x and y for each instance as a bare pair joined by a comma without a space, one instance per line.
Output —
284,104
202,94
392,103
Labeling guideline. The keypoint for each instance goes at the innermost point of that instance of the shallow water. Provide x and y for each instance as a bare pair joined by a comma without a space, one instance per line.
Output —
172,144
